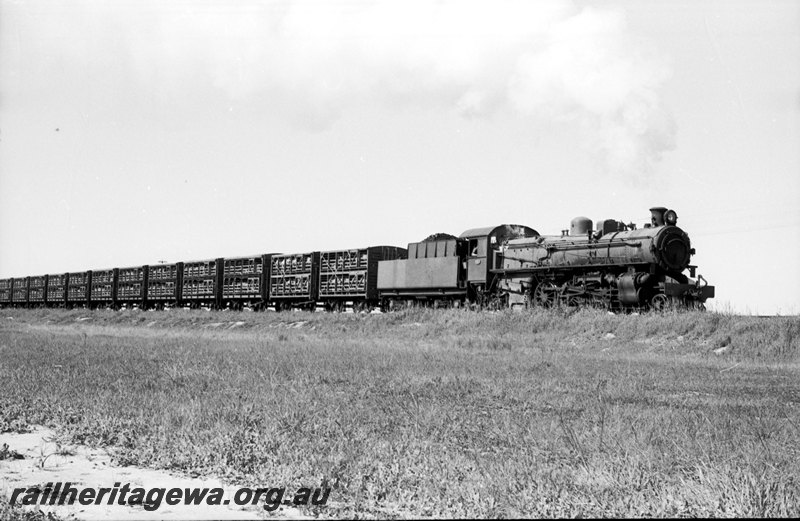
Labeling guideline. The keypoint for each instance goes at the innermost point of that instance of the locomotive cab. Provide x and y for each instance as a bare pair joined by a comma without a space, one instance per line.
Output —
483,245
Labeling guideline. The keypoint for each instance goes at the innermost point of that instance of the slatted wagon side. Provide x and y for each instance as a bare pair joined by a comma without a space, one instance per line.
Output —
104,288
19,292
293,280
37,290
201,280
5,292
56,289
351,276
164,284
132,286
245,281
79,284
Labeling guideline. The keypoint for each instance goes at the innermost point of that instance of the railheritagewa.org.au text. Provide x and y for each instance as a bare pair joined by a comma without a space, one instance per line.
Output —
152,498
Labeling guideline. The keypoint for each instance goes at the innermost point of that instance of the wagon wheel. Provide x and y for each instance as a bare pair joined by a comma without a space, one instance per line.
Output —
545,295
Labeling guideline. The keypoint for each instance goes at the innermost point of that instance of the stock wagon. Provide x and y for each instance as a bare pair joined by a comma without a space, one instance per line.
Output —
352,276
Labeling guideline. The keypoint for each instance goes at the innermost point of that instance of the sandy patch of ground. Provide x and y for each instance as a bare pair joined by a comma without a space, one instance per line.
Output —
48,459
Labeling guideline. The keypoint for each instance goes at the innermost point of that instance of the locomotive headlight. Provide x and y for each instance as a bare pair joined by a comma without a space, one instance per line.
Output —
671,218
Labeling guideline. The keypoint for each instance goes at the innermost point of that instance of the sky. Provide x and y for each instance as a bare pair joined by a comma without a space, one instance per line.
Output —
134,132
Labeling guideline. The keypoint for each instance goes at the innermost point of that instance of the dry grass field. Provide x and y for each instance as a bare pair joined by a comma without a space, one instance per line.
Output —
442,413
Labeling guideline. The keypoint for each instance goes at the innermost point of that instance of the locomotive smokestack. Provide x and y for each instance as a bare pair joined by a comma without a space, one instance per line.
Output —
657,215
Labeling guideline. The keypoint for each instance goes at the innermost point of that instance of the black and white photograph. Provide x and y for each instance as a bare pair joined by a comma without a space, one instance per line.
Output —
399,259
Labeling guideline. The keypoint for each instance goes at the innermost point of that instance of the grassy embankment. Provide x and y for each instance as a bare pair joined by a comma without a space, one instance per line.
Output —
420,412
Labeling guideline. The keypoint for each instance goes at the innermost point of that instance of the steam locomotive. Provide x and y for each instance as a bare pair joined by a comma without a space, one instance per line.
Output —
614,266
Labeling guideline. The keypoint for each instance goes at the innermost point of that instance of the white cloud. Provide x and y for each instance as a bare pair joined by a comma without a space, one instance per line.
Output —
312,60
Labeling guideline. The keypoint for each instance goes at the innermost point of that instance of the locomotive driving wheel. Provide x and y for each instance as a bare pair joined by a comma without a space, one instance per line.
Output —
545,295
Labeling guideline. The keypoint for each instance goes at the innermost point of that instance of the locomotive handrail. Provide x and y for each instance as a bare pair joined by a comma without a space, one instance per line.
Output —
610,241
609,261
601,259
590,246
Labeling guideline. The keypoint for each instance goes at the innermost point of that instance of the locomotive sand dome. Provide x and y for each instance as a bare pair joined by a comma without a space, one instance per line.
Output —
615,266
